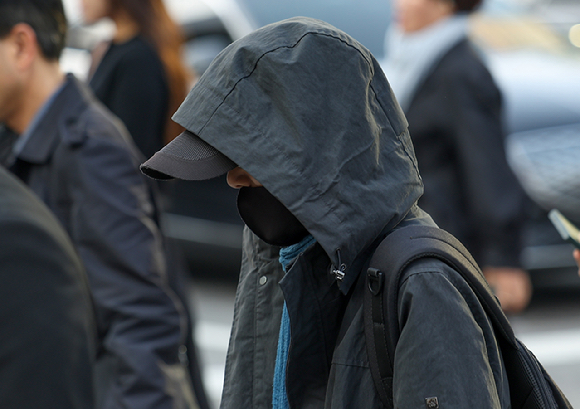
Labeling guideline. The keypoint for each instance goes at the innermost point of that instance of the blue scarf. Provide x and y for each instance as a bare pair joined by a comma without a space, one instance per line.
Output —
279,396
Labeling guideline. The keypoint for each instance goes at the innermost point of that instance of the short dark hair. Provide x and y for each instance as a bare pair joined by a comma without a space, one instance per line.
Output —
466,6
46,17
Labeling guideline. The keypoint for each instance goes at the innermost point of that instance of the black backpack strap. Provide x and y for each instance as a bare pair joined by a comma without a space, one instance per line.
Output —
530,386
395,252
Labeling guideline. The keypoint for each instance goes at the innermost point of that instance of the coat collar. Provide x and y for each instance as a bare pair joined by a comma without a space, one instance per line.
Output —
57,121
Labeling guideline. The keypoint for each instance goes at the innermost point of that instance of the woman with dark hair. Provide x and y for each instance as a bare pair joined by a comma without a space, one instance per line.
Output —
454,110
139,75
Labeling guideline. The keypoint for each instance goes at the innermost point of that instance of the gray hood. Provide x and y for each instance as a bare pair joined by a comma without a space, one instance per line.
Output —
308,112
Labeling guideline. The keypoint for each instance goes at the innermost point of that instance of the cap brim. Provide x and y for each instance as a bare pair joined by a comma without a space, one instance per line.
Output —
187,157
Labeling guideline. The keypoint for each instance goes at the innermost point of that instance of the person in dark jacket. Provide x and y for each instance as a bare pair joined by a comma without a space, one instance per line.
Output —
454,109
139,74
81,162
46,316
302,119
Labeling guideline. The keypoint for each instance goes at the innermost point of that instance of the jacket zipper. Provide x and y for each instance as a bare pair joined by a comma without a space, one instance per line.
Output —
340,271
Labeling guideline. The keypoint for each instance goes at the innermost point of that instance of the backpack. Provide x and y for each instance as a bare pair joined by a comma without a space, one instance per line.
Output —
530,386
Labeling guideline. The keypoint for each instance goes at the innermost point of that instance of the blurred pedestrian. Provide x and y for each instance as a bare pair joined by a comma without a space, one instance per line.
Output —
139,75
302,119
82,163
46,317
577,258
454,109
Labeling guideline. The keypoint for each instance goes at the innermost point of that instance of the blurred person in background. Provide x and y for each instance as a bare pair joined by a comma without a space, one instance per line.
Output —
79,159
577,258
46,317
454,109
139,75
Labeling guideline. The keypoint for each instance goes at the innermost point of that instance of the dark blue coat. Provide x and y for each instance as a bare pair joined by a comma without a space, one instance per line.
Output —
83,165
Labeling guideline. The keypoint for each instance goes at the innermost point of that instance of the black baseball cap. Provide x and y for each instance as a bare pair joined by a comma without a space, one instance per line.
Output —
187,157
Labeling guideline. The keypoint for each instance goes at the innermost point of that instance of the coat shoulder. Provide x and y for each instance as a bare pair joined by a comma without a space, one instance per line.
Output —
86,118
463,62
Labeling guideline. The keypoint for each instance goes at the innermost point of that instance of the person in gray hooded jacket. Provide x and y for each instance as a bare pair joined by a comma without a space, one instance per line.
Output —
303,120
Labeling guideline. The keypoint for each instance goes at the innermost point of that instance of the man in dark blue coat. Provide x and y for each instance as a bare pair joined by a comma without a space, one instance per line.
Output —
79,159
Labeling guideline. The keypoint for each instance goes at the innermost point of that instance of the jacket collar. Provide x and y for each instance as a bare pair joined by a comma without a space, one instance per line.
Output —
415,216
56,122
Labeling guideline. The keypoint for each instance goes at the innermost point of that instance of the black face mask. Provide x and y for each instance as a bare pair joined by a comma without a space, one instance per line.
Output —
268,218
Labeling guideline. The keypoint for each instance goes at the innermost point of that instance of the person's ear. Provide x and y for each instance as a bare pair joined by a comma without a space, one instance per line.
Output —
25,45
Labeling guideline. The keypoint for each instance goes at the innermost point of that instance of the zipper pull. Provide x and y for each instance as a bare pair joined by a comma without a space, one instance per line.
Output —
339,272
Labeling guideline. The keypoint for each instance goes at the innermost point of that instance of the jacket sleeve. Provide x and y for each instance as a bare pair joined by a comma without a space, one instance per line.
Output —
141,321
494,197
46,325
446,349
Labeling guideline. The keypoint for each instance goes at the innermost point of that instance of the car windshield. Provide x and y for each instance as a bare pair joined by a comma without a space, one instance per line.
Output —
365,20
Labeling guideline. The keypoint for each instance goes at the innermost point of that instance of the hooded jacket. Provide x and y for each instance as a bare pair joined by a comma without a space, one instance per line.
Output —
307,111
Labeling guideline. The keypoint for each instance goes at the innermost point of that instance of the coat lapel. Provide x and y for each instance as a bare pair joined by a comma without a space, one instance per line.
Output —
54,124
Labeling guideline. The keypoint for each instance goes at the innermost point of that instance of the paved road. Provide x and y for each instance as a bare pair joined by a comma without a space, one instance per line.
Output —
550,328
213,309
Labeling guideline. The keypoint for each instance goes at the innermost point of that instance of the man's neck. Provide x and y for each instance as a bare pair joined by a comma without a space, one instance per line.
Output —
44,80
126,28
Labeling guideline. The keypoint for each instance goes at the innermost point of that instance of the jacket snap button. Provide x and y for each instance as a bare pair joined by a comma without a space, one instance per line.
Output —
263,280
432,403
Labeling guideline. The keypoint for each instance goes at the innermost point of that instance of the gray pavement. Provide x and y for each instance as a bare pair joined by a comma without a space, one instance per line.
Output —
550,328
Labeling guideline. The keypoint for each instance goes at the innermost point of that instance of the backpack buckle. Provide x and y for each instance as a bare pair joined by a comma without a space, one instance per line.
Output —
376,279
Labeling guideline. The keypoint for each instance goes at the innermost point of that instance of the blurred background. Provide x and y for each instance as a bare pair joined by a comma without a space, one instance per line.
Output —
532,48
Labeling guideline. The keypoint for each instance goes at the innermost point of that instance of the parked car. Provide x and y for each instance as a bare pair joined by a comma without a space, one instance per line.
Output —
528,51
